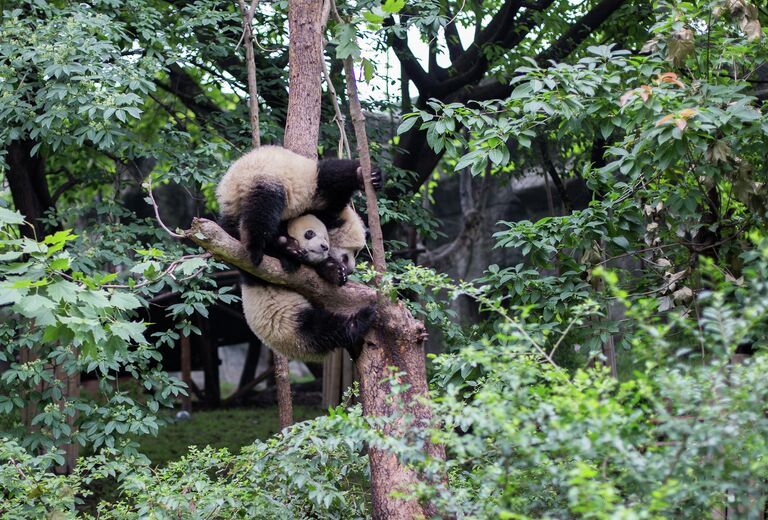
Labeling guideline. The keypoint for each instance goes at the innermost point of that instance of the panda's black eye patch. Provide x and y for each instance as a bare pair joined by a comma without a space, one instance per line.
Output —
309,235
345,258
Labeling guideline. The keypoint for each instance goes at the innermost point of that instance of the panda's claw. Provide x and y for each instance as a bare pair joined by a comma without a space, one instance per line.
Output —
292,249
332,271
364,319
256,257
377,179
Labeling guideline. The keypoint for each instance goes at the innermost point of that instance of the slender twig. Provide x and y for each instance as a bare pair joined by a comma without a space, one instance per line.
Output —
168,271
562,337
18,468
339,118
177,236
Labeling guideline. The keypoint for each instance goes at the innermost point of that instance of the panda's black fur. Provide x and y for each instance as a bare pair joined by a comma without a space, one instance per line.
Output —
287,322
271,184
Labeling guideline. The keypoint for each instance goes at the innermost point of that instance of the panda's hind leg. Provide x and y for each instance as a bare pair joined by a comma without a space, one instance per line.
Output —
324,331
260,214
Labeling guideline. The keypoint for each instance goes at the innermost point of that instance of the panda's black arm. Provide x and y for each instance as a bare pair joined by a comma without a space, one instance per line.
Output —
332,271
337,181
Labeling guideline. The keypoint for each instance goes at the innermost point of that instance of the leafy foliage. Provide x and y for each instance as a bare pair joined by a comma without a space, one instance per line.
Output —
668,260
57,325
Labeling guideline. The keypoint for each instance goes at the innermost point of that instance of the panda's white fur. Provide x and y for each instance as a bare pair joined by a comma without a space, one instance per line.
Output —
273,314
286,321
270,164
348,239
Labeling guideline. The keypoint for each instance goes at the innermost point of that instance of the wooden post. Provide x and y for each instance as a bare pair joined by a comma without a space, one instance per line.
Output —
251,362
211,363
186,373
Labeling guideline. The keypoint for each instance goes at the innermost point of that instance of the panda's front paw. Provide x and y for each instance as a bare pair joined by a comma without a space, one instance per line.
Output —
332,271
365,318
377,179
292,249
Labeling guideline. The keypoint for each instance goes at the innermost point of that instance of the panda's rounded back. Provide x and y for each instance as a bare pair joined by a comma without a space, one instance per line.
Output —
271,165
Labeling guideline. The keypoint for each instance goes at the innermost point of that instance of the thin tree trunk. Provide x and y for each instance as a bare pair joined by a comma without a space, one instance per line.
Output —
396,340
282,374
284,401
250,65
28,185
186,372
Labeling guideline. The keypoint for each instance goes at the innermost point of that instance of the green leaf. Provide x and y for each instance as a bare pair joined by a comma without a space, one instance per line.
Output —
346,42
367,70
621,241
10,218
407,124
96,299
373,18
393,6
59,264
63,290
129,330
33,303
124,300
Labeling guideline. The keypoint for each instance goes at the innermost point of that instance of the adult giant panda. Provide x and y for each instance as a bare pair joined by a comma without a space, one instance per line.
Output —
271,184
286,321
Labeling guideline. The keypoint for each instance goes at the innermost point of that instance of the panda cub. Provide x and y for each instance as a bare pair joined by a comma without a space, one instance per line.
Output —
286,321
270,185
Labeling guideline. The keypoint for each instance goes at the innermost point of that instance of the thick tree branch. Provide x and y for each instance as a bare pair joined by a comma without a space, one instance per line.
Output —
566,44
424,83
452,39
345,300
506,30
579,31
418,156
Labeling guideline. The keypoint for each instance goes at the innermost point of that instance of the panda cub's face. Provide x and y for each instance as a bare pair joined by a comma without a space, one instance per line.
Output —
346,256
312,236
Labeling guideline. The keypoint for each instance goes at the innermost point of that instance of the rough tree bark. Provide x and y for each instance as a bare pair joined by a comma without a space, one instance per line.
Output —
28,185
302,126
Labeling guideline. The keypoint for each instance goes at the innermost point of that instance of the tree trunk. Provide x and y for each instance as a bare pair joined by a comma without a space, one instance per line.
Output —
29,188
302,126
